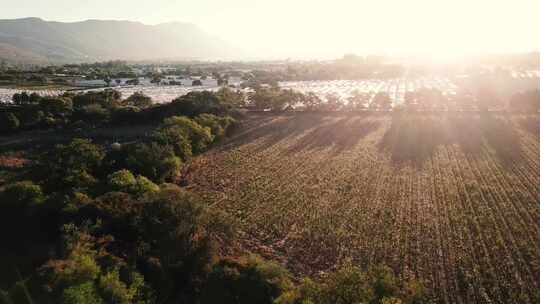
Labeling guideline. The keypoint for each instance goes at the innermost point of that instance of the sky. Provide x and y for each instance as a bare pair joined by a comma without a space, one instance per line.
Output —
324,29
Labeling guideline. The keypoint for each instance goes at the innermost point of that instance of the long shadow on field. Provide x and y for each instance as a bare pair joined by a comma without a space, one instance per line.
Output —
412,140
339,135
275,129
532,125
503,138
474,134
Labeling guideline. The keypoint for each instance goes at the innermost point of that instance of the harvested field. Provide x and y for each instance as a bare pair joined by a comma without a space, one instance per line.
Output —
452,200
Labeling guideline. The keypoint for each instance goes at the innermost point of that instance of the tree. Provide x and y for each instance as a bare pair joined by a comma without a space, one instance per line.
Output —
122,180
35,98
195,103
177,139
94,114
249,279
71,165
155,161
218,125
21,98
199,136
139,99
106,98
262,98
56,106
24,193
233,98
182,232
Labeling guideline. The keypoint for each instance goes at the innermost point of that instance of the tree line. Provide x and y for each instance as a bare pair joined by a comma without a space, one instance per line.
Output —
484,99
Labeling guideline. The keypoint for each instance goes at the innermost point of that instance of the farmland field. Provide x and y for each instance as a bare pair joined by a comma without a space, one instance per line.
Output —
453,201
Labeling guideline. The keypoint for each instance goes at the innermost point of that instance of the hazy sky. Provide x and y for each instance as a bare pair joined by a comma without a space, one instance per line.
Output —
309,28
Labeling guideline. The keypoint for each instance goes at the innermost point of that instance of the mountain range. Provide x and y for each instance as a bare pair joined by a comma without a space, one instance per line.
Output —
33,40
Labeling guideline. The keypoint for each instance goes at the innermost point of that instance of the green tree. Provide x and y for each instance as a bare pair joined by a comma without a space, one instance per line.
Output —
247,280
24,193
122,180
138,99
199,136
155,161
72,165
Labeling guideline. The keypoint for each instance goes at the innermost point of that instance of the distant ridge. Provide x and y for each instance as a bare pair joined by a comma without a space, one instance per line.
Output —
33,40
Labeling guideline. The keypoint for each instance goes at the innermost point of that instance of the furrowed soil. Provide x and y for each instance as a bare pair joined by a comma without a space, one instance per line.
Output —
451,200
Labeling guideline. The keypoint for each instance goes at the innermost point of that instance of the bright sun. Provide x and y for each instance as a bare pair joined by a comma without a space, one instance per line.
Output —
440,29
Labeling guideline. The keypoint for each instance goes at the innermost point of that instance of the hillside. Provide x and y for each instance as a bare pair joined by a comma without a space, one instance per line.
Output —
37,41
452,201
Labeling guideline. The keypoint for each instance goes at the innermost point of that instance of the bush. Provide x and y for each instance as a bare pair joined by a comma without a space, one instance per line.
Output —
351,285
85,293
72,165
155,161
116,291
218,125
247,280
24,193
94,114
126,115
138,99
143,186
106,98
176,138
199,136
122,180
195,103
86,272
56,106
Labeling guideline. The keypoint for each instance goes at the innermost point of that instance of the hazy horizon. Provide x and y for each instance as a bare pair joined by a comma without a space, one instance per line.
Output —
304,29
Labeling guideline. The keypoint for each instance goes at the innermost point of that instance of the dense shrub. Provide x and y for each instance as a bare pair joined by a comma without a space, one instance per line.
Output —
138,99
175,138
72,165
155,161
56,106
195,103
246,280
122,180
24,193
126,115
199,136
87,271
93,114
106,98
179,246
218,125
351,285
